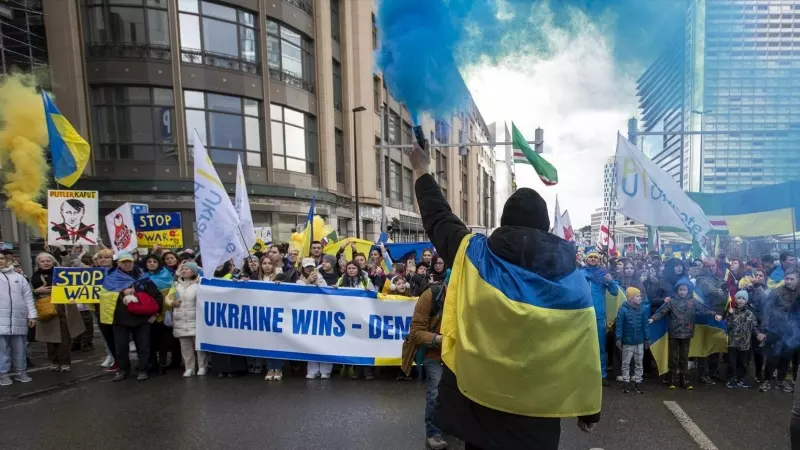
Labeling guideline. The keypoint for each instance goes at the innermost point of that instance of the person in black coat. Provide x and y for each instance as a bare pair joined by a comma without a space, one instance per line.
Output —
522,239
127,323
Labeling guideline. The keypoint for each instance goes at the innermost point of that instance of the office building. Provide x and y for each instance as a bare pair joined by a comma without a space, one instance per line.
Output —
597,220
741,81
273,82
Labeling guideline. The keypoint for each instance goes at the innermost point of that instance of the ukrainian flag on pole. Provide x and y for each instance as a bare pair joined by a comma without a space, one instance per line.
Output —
69,151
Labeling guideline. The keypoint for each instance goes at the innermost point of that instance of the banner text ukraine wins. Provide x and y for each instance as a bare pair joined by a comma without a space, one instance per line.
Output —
314,322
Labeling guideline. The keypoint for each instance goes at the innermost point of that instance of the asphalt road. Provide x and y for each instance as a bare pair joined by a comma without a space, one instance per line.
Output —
175,413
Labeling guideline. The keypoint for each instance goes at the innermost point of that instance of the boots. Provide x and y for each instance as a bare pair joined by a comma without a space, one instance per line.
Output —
673,381
637,388
626,387
685,383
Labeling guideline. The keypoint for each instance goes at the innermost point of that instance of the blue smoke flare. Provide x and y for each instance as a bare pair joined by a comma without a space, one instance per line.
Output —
424,43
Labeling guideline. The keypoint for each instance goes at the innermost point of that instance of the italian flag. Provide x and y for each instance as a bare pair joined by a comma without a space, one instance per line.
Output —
524,154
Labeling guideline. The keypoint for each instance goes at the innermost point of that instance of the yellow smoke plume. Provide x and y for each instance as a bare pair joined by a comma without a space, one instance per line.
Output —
23,136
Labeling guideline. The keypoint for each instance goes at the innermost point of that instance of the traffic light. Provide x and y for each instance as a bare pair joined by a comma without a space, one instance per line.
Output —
633,127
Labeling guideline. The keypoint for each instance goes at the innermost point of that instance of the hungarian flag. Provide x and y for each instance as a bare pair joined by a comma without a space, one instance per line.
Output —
524,154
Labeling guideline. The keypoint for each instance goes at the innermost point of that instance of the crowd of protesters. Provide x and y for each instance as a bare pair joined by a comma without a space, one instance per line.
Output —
757,299
167,281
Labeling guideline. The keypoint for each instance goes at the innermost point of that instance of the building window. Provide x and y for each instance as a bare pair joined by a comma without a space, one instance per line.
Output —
343,228
294,140
219,36
408,183
337,86
229,126
442,132
339,143
376,89
406,134
374,33
290,56
132,28
335,21
133,123
395,181
392,128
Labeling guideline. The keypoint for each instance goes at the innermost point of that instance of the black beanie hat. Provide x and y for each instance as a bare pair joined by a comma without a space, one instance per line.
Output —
525,208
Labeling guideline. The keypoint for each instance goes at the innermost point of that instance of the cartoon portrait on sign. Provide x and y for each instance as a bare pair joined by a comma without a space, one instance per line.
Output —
72,217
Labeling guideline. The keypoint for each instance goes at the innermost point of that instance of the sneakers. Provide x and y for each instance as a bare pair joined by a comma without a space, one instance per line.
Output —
732,384
66,368
55,368
201,372
637,387
113,367
436,443
277,375
188,373
764,386
142,376
325,376
743,384
5,381
119,376
270,375
620,379
311,376
23,378
787,386
686,384
108,362
707,381
626,387
672,382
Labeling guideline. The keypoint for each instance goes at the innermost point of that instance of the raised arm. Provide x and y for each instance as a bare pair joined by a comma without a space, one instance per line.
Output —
445,229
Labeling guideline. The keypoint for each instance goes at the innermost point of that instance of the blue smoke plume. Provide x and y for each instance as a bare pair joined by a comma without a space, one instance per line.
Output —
425,43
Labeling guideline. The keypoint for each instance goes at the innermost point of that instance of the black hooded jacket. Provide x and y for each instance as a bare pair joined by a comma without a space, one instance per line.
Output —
523,240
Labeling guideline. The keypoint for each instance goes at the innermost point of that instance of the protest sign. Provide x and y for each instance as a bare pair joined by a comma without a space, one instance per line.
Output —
77,285
139,208
72,217
159,228
263,238
120,227
302,323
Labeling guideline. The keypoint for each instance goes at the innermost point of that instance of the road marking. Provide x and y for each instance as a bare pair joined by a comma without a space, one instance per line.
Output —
688,424
74,361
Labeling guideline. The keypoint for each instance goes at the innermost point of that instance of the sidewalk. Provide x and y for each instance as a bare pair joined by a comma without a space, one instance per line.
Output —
85,366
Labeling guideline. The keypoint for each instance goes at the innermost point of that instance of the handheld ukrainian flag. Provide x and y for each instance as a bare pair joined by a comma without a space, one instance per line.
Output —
537,337
308,233
69,151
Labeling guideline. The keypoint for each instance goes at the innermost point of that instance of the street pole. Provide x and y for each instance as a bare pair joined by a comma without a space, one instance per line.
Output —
25,248
355,170
383,167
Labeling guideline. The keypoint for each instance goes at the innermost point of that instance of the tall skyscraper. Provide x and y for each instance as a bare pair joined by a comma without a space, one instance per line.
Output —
741,81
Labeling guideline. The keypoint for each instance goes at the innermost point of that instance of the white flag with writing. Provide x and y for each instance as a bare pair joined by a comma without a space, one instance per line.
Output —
242,206
649,195
217,222
558,227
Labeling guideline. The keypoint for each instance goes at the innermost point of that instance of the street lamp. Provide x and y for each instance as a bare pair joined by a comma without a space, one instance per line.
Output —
355,170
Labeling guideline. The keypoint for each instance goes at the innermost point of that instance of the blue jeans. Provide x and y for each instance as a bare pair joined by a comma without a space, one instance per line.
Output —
12,350
433,372
274,364
601,336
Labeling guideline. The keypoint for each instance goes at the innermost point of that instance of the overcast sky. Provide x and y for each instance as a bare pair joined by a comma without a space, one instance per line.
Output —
581,100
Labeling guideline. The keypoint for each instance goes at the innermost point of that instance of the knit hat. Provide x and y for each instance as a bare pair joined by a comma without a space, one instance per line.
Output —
744,295
192,266
592,253
632,292
330,258
525,208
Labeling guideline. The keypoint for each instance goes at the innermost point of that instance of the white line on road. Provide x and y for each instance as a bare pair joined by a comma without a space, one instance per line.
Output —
74,361
688,424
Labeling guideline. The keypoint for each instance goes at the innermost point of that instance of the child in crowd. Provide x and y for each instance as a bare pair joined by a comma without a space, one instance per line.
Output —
632,338
328,270
681,311
399,286
742,326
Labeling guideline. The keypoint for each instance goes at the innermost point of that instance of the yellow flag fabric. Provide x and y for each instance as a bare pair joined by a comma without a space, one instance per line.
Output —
108,303
362,246
517,342
613,303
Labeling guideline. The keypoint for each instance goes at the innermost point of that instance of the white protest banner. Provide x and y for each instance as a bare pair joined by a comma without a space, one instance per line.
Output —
72,217
242,205
649,195
217,223
263,238
121,228
302,323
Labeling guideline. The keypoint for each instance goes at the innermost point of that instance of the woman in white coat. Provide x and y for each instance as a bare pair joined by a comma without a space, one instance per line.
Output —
182,298
17,314
310,276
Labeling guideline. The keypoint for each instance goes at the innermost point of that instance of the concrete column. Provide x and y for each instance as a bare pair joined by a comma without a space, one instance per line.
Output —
265,80
67,71
325,110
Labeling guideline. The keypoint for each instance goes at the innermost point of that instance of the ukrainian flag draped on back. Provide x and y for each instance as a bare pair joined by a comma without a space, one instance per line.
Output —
69,151
536,337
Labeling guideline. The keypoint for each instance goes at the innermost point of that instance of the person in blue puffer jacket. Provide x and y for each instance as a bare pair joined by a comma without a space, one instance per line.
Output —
600,282
633,337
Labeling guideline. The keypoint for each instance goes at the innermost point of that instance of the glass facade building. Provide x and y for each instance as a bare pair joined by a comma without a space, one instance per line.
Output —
740,83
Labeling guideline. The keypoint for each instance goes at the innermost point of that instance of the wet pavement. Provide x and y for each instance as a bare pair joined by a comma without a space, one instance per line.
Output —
246,412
